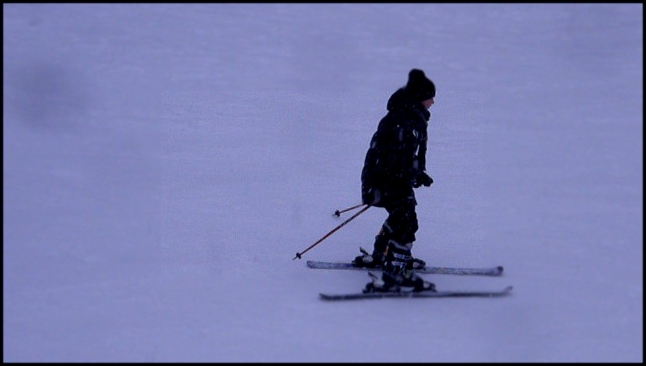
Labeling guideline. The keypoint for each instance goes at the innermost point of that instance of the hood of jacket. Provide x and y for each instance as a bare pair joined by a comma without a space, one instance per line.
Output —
401,99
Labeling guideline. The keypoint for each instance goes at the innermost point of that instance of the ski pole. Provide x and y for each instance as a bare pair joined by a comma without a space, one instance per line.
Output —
338,213
298,255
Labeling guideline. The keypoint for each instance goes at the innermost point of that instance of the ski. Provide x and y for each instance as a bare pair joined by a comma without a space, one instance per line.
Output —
411,294
481,271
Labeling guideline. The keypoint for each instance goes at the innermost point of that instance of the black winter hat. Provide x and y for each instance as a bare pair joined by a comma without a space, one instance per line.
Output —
421,87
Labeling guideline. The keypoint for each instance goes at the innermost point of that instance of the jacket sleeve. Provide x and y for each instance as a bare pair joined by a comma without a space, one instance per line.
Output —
420,160
407,148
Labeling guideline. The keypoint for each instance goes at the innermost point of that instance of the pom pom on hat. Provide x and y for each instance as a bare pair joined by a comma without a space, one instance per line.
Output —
419,86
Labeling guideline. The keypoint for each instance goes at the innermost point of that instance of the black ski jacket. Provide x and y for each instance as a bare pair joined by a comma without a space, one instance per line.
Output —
397,151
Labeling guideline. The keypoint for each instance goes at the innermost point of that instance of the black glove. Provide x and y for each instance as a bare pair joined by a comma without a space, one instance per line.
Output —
372,197
422,179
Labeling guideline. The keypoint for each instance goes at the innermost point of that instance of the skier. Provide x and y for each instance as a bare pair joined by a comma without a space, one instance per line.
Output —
395,163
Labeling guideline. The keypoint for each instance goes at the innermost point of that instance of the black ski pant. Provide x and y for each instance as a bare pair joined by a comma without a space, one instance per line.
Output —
397,233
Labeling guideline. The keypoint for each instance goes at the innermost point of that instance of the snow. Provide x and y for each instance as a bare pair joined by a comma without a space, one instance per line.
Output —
164,163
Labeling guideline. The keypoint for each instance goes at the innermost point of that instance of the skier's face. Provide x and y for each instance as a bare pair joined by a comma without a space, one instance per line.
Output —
428,103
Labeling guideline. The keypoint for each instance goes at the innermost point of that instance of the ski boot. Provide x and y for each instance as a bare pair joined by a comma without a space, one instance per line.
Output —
417,263
374,260
378,256
398,283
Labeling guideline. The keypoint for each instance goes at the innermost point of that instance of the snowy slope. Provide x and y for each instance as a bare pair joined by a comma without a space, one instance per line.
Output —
164,163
